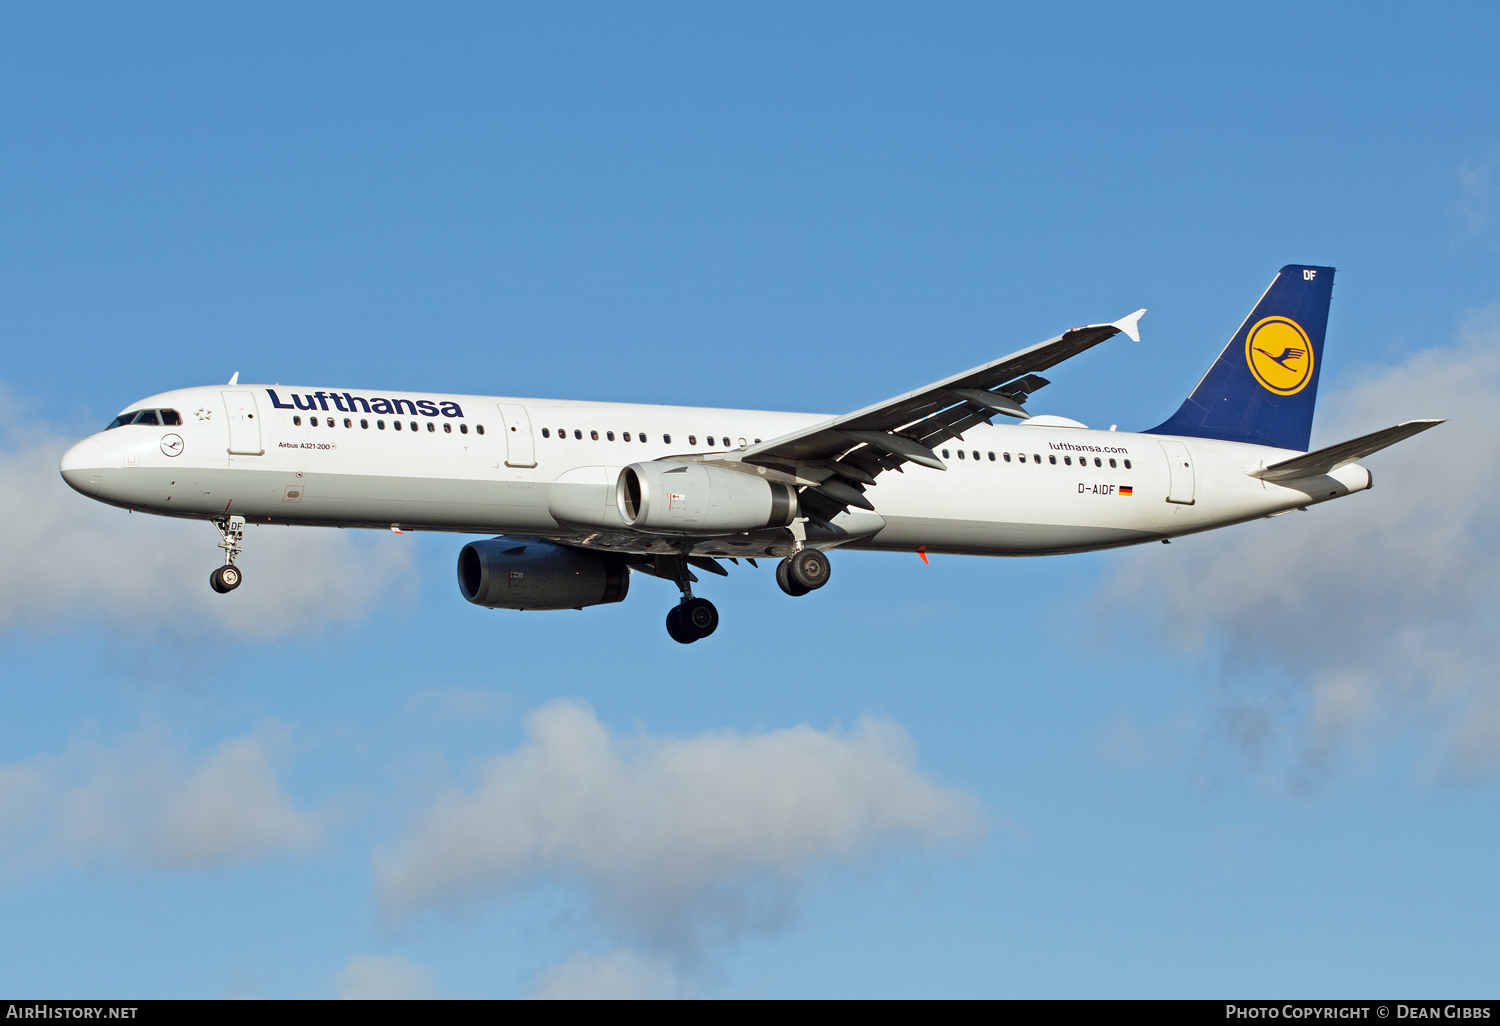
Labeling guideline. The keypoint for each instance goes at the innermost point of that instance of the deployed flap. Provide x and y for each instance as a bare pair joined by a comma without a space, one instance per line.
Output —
1325,461
930,416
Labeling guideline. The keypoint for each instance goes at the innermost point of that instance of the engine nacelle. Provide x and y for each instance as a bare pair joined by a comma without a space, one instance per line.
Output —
519,573
692,498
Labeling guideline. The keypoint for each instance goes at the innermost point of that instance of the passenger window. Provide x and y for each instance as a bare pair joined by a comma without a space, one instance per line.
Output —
643,437
147,417
171,417
945,454
1127,464
1035,458
1052,460
1111,464
1007,457
1067,461
666,439
692,439
463,429
396,424
447,429
479,429
413,425
296,422
594,435
1021,457
757,441
609,436
364,424
431,427
1098,462
380,424
626,436
546,433
992,457
960,454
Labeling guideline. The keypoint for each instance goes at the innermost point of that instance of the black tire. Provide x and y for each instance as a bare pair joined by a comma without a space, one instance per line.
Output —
700,617
809,568
677,629
225,579
784,580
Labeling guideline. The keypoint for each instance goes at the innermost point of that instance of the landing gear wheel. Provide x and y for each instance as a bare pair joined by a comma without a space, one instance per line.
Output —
692,619
225,579
785,581
680,633
809,568
700,617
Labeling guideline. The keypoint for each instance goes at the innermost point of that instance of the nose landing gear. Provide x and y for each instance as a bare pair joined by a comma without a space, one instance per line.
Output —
231,533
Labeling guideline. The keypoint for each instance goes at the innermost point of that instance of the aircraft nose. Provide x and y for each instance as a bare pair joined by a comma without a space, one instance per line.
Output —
82,465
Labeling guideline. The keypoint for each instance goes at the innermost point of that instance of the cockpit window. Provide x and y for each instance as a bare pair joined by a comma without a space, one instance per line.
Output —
153,418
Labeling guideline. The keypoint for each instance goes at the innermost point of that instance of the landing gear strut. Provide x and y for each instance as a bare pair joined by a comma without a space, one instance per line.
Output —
692,618
802,572
231,533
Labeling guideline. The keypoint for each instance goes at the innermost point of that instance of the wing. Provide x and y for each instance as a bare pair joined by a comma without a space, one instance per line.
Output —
835,459
1325,461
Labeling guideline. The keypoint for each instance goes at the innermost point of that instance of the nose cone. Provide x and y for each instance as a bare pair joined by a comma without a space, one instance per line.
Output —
82,465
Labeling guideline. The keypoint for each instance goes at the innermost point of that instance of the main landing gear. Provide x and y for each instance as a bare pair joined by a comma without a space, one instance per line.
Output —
692,618
231,533
803,572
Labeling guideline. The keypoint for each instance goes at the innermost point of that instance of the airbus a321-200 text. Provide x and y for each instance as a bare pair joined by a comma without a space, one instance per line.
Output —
575,497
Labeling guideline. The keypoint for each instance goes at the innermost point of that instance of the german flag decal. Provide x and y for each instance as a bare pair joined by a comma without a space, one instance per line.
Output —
1127,490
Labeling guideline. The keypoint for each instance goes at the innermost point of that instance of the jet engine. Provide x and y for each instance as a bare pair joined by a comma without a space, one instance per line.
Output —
521,573
692,498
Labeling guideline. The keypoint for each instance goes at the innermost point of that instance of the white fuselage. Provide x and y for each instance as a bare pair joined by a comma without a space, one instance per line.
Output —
1017,489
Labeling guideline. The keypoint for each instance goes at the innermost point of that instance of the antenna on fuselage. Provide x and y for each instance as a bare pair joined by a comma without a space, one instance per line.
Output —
235,378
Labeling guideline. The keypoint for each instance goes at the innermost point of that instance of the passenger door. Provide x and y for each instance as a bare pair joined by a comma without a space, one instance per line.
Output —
244,424
1180,465
520,447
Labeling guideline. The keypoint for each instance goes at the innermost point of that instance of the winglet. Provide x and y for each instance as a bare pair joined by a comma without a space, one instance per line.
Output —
1131,325
235,378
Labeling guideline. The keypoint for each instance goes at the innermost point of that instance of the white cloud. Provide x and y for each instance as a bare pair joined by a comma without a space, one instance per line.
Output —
1476,190
386,978
65,557
137,804
680,842
1376,613
618,976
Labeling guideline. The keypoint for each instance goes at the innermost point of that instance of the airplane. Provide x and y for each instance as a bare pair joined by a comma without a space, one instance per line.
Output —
576,497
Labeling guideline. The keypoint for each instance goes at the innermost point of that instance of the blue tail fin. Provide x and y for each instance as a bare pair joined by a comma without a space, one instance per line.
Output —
1263,386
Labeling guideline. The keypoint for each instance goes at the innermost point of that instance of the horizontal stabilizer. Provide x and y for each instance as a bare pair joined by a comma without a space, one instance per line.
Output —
1325,461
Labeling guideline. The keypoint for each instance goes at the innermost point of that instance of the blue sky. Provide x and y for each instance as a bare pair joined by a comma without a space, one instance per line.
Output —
1258,762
